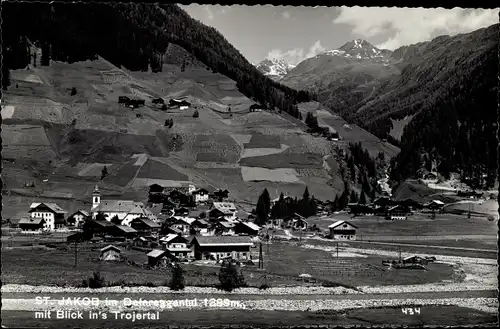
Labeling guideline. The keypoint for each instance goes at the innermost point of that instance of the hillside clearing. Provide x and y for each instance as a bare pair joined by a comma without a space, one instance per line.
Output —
285,175
276,161
158,170
263,141
256,152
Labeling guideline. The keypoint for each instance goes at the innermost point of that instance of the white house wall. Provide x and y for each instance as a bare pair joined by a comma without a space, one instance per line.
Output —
344,237
48,217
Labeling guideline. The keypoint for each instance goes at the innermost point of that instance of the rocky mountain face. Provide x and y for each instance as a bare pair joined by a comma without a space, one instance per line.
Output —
275,68
356,64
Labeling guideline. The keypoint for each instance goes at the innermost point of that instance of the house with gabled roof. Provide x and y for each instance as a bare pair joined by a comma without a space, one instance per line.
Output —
247,228
435,205
223,228
145,225
342,230
200,226
178,246
31,224
226,210
78,218
200,195
122,231
218,247
110,252
158,257
52,214
181,224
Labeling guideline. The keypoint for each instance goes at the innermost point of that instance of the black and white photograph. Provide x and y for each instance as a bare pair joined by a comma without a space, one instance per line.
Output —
210,166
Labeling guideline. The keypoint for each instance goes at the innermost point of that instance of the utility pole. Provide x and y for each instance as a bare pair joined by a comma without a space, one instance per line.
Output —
261,259
76,253
399,254
337,250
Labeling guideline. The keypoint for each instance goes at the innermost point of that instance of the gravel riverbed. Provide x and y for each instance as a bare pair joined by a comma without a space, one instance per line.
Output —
298,290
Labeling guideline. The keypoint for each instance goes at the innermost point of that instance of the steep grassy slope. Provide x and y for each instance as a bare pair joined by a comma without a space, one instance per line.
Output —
90,130
135,36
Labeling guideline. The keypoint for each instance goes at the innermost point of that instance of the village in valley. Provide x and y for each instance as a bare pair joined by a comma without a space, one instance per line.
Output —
146,156
186,224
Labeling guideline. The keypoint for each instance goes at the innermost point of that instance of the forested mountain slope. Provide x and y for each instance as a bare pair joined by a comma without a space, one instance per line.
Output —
134,36
448,86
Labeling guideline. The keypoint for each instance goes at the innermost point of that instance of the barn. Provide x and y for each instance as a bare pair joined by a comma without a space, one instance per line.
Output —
158,257
218,247
342,230
110,253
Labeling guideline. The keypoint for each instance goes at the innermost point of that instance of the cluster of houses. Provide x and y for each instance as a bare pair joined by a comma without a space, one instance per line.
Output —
169,230
393,210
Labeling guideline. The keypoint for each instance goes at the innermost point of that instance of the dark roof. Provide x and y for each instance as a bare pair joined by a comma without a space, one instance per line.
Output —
202,221
223,240
52,206
103,223
126,229
31,221
83,212
176,230
147,221
200,190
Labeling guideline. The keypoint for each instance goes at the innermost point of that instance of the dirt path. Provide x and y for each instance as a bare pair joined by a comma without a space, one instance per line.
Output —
425,246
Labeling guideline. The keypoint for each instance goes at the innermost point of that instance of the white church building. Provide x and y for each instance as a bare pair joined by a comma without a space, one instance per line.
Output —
126,210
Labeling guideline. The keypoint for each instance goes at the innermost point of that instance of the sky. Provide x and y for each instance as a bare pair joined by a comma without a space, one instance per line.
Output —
296,33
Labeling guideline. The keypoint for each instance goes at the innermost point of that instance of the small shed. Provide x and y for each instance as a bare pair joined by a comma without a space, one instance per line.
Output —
158,257
415,260
247,228
110,252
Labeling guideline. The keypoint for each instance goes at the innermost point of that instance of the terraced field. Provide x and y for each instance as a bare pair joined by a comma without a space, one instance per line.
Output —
242,151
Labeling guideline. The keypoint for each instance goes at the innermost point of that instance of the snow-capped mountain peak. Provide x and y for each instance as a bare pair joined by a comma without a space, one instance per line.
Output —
358,49
275,67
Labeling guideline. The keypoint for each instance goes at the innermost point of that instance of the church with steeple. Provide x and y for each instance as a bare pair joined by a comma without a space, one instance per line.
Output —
125,210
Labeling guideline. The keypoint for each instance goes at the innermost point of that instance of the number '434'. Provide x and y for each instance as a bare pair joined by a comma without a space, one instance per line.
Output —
410,310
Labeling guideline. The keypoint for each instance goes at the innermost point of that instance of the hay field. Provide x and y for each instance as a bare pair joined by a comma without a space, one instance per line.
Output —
255,152
312,173
276,161
263,141
285,175
93,169
8,111
215,165
123,174
32,107
105,147
146,182
216,148
26,142
259,119
25,76
158,170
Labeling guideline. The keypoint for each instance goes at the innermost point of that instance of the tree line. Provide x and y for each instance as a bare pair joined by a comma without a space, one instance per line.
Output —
284,207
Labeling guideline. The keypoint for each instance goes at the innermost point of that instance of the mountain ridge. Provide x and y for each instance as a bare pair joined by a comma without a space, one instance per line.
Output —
412,80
